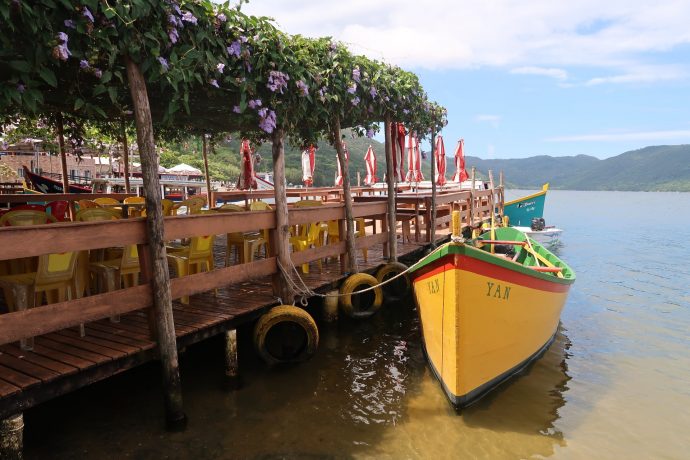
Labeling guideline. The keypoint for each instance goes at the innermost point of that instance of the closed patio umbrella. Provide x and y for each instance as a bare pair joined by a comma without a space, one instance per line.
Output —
460,173
339,174
370,163
248,177
414,167
440,158
308,164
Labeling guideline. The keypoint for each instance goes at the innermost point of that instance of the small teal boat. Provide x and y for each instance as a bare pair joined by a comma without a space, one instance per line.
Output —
520,212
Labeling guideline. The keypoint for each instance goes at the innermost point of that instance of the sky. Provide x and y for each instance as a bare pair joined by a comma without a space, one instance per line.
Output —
525,77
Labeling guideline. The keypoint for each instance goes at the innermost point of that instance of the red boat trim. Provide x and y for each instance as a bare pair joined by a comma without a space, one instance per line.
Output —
479,267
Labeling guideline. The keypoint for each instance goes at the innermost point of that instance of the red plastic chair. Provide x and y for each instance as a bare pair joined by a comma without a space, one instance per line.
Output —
34,207
59,209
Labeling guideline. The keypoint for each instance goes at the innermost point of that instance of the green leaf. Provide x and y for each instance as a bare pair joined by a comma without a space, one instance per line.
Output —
21,66
48,76
78,103
112,92
107,76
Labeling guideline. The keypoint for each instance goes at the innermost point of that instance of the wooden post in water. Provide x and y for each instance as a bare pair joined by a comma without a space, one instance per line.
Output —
160,281
472,204
281,239
433,188
125,148
12,437
347,196
204,153
390,179
232,373
63,162
501,194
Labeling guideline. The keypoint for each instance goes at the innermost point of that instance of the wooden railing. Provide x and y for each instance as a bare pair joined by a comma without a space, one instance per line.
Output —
79,236
23,198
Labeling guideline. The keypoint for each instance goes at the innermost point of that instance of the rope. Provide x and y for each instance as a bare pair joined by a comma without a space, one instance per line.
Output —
305,291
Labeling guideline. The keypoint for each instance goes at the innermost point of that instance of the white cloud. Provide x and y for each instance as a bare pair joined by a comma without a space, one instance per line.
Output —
643,74
493,120
559,74
671,135
539,36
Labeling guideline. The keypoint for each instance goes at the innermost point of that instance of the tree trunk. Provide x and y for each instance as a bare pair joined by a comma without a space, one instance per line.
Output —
125,153
160,281
390,179
433,188
281,241
347,194
63,162
204,153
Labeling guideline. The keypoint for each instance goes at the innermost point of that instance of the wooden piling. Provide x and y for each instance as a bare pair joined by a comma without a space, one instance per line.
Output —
63,162
281,239
204,153
330,307
347,197
12,437
232,373
390,179
125,148
433,189
160,280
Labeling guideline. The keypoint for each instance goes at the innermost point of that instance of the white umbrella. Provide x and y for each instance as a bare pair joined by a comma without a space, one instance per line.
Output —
370,162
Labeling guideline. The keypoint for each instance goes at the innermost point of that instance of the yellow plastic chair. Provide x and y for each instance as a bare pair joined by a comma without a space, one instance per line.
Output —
311,237
53,278
26,217
95,214
192,259
120,271
246,244
87,204
263,206
167,207
134,211
191,206
333,235
106,200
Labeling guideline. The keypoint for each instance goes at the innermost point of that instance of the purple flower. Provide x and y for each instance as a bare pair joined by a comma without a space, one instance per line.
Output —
303,87
277,81
236,109
61,52
254,103
189,17
355,101
164,63
235,49
62,37
84,64
355,74
87,14
220,67
370,133
334,46
98,73
243,39
221,17
20,87
213,82
373,92
405,111
70,23
352,88
268,120
173,35
322,94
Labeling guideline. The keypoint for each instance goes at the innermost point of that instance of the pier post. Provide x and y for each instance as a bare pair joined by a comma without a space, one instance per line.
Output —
12,437
204,153
63,162
347,196
232,373
281,237
160,278
330,307
390,179
433,188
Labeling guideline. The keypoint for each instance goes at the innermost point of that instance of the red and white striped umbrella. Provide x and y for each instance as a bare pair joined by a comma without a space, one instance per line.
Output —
440,158
414,161
401,149
339,174
248,180
370,163
460,173
308,165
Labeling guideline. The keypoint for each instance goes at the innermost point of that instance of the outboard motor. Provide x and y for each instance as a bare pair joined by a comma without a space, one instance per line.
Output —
538,224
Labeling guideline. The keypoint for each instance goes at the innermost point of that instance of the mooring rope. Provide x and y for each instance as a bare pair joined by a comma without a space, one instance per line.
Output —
305,291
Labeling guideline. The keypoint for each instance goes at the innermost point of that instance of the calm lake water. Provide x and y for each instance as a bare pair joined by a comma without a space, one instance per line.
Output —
615,383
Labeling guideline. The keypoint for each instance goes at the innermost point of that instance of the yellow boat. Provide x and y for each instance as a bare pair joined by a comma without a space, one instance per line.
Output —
486,315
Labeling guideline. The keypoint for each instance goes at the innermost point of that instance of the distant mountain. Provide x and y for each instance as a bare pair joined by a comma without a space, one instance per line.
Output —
657,168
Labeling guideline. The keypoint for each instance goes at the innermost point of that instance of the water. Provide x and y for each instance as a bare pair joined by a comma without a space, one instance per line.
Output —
615,384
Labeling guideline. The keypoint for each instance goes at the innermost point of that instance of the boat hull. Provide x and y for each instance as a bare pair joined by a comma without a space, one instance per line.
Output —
520,212
484,318
549,235
46,185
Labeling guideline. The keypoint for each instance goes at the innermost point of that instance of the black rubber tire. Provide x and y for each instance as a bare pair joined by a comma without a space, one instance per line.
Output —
286,334
397,289
360,305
